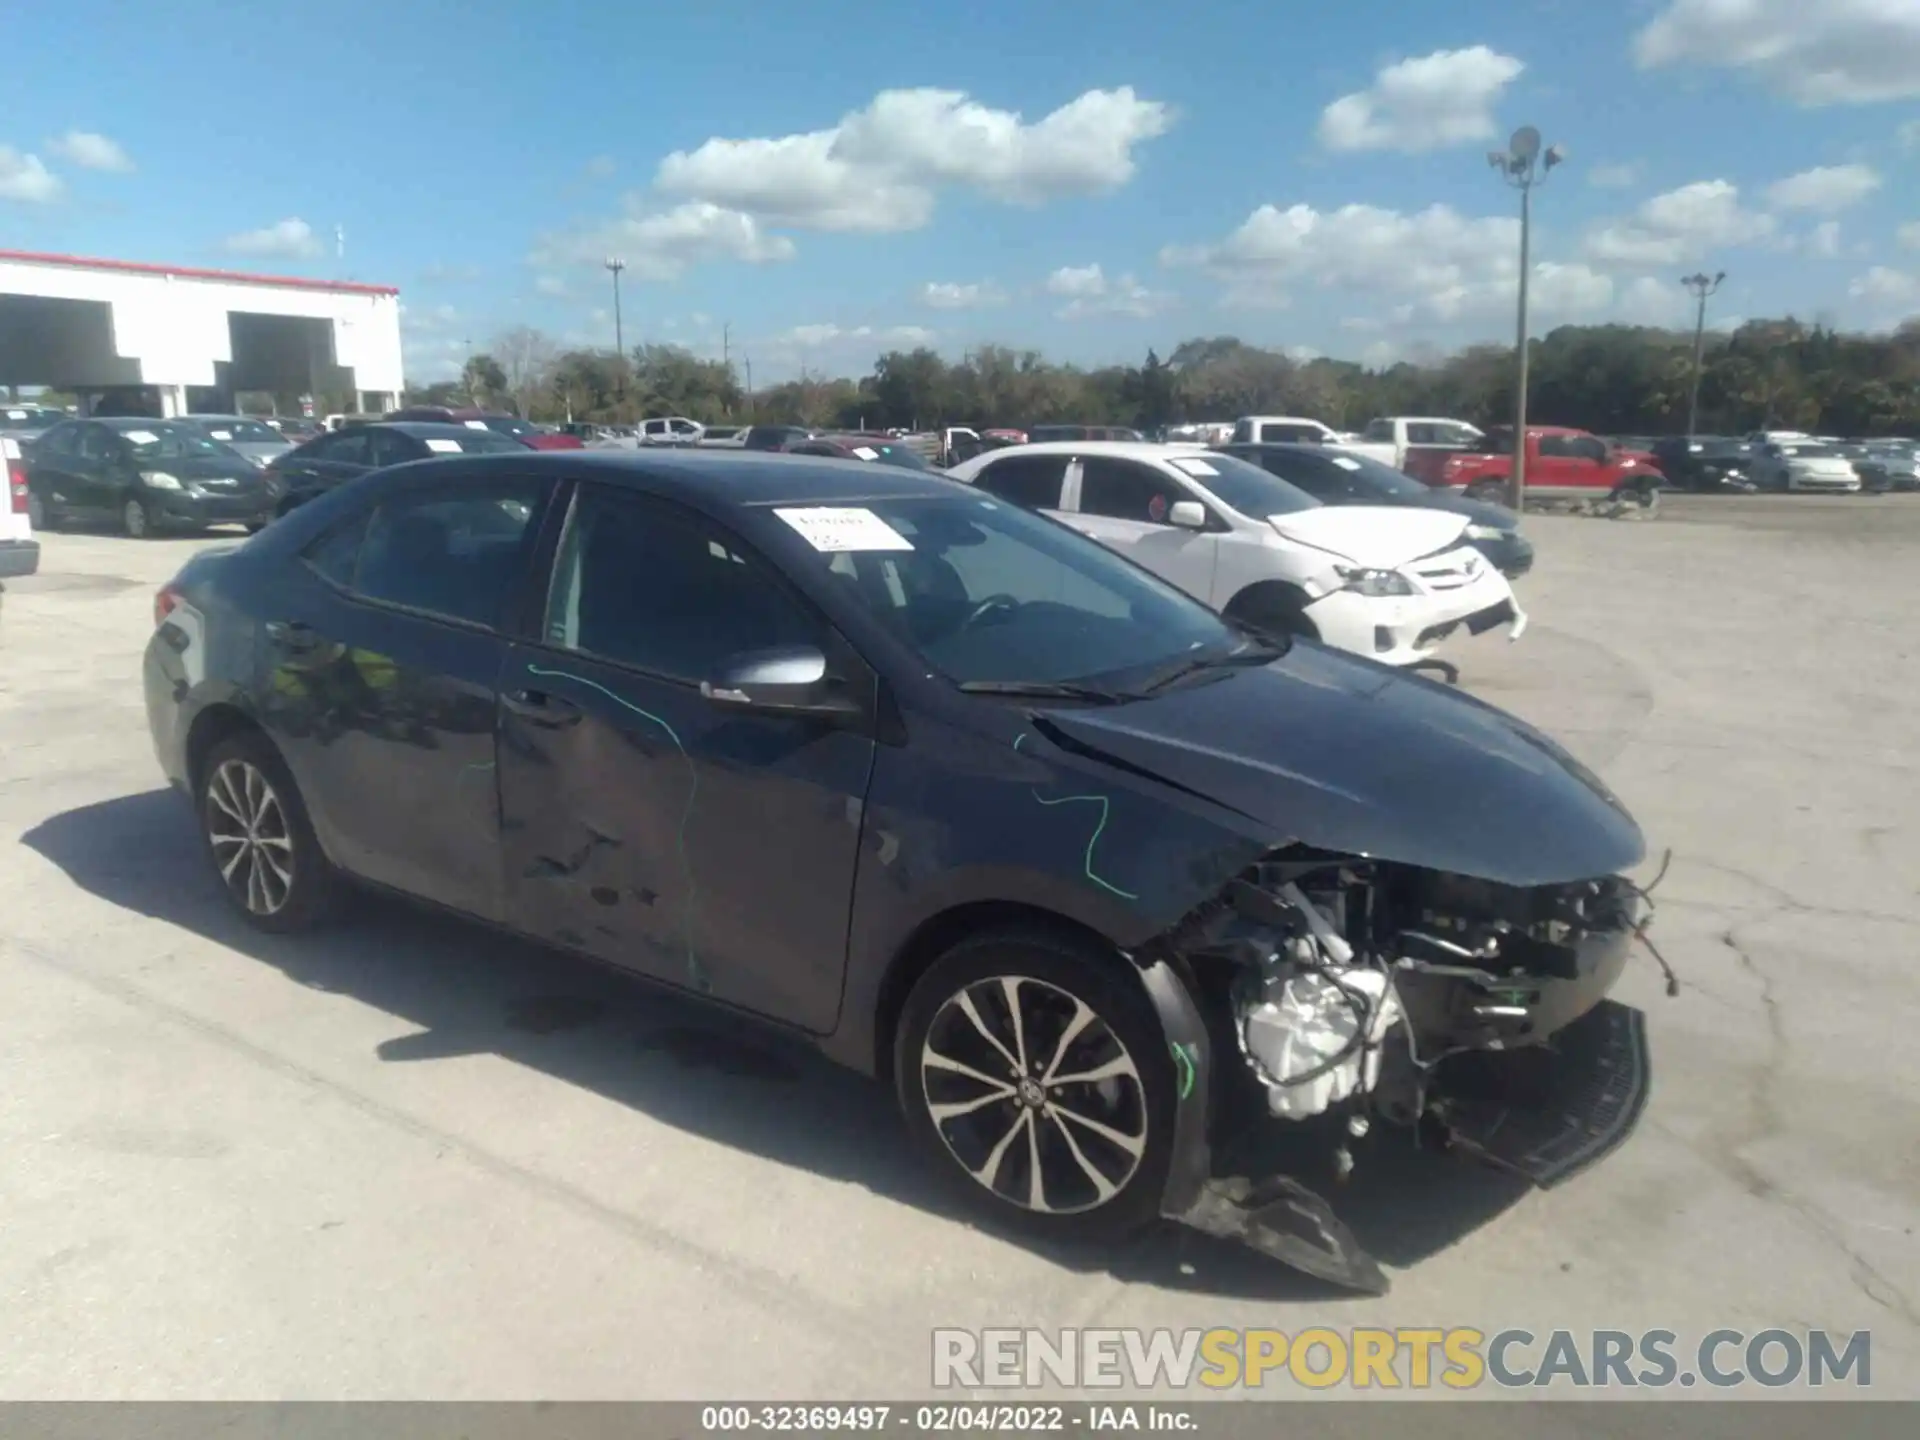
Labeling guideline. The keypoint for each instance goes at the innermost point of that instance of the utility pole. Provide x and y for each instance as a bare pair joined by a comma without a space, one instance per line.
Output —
747,361
1523,166
1701,287
614,266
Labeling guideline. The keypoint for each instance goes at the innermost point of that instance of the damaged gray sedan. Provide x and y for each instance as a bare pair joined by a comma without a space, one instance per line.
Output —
1101,883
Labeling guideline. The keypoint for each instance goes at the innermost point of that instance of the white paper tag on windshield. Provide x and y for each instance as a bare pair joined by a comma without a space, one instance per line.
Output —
221,434
142,437
834,528
866,452
476,424
1345,464
1192,466
444,447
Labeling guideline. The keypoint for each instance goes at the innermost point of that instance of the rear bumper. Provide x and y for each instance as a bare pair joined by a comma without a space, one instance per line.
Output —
18,558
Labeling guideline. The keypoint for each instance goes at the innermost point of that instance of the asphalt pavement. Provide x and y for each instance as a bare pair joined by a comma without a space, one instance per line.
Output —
408,1158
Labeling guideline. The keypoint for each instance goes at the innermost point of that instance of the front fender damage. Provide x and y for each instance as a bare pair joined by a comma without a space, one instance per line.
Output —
1327,993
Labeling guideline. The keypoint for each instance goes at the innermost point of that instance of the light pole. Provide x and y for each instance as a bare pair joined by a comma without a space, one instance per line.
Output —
1523,166
1702,286
614,266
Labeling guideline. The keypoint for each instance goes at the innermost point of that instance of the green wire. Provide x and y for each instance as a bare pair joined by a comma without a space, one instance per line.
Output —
695,972
1106,810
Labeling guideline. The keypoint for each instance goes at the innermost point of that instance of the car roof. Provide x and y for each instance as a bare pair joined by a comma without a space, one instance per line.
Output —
1296,447
136,422
422,429
736,478
1119,449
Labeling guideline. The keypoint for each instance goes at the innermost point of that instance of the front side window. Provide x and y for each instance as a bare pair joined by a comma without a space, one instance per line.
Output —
641,584
987,591
454,556
1123,490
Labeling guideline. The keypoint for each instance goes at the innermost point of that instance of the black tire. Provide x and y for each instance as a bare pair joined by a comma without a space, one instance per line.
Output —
40,515
1273,612
1093,1190
272,870
136,520
1488,492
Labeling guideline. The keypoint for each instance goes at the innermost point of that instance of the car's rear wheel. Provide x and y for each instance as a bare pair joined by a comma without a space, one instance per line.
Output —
1491,492
39,517
136,519
259,838
1036,1076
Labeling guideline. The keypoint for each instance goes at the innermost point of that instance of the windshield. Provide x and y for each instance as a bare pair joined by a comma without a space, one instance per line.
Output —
508,425
1317,471
1800,451
242,432
1243,487
984,591
889,455
164,440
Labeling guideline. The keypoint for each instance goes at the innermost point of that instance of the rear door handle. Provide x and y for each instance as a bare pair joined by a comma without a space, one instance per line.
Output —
292,635
541,708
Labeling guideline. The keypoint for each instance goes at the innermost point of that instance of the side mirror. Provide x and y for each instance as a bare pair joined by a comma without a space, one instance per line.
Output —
792,680
1188,515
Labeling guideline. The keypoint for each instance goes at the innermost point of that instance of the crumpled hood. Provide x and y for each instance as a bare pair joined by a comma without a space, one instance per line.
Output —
1380,537
1333,751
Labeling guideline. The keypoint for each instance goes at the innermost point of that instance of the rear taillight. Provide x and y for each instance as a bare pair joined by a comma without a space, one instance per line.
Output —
17,484
165,602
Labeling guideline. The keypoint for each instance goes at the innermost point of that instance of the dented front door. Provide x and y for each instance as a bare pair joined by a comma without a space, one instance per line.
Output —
703,846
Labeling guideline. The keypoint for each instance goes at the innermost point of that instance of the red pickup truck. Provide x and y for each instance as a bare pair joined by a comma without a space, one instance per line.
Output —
1562,464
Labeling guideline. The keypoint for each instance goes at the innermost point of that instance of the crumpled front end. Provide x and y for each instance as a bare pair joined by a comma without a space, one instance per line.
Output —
1337,994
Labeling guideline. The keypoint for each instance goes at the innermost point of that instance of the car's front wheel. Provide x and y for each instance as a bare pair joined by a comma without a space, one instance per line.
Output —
259,838
136,519
1036,1075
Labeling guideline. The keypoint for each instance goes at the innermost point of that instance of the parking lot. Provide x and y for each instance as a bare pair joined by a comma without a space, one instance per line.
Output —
408,1158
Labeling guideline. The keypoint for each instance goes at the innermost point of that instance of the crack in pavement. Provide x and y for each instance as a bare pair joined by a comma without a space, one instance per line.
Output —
1764,1122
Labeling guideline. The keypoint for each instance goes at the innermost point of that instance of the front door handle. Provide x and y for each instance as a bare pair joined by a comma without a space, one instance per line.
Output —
295,635
540,708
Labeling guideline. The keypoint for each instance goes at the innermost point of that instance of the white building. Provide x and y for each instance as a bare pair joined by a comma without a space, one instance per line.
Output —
190,340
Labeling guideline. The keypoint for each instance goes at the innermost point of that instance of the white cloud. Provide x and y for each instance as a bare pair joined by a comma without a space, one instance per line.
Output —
26,178
1910,235
1621,176
1090,292
291,239
1836,52
879,169
663,245
1429,103
829,348
977,295
432,343
1883,286
1824,189
1680,225
1824,242
1364,248
90,151
1652,301
549,285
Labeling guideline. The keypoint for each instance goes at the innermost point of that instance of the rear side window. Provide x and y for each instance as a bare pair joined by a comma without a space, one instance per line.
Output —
1029,481
334,555
458,557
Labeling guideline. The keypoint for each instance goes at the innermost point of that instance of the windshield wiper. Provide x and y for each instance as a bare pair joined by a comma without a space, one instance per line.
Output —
1251,652
1044,690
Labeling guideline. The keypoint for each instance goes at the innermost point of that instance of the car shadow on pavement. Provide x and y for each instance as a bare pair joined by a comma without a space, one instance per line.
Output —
473,990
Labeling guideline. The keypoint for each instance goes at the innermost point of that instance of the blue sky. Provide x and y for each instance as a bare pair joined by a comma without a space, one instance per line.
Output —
1306,177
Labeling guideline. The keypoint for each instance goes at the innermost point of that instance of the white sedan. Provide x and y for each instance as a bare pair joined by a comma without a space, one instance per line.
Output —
1386,582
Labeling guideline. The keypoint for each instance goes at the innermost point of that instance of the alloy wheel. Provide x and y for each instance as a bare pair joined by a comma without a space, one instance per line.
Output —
1034,1095
134,516
252,841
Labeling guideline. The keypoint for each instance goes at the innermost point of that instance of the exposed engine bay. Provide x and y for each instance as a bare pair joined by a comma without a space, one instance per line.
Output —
1353,991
